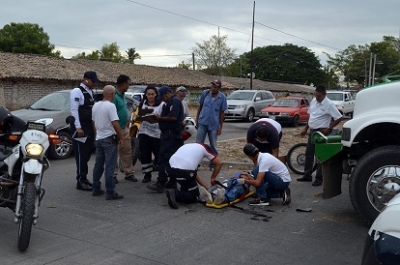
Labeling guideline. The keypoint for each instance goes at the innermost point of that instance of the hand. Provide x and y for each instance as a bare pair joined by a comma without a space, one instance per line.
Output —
80,132
303,132
213,182
325,131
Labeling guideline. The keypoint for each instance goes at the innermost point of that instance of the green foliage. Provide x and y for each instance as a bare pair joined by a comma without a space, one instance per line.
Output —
131,56
286,63
184,65
26,38
213,54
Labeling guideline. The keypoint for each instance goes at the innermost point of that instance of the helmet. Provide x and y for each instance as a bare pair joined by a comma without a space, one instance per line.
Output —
250,150
190,121
6,120
188,131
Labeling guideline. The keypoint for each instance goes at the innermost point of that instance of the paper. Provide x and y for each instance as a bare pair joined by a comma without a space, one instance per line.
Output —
151,118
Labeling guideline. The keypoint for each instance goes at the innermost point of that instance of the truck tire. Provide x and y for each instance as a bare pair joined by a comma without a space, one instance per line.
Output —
374,182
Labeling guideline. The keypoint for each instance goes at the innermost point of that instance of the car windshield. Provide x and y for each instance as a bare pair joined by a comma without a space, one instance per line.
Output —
335,96
286,103
241,96
52,102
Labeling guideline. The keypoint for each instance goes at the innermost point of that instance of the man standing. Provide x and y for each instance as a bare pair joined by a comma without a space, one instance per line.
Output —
182,168
210,115
82,101
181,93
322,111
271,177
170,123
105,120
265,134
125,150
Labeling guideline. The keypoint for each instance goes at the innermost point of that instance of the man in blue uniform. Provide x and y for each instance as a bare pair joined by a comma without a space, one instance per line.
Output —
170,123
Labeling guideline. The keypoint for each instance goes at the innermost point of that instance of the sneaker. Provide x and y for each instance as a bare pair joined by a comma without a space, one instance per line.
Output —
286,199
115,196
84,185
305,179
98,192
205,194
259,202
171,198
132,178
115,180
156,187
317,182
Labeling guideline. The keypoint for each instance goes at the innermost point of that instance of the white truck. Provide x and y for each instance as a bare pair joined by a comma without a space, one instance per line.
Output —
343,100
368,150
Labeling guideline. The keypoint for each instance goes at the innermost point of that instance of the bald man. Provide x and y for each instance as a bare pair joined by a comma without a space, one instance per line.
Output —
105,122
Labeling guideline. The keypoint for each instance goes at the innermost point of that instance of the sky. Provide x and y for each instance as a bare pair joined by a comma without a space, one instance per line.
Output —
164,32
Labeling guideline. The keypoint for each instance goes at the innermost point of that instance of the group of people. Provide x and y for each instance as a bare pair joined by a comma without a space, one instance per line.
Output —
107,123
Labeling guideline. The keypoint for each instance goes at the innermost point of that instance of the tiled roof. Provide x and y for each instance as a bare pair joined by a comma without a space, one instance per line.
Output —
28,66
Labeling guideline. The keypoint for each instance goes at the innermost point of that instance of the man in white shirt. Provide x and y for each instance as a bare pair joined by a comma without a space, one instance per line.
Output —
322,111
105,120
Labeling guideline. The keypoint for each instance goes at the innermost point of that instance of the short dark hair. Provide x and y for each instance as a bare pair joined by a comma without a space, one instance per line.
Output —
122,79
262,132
320,89
250,150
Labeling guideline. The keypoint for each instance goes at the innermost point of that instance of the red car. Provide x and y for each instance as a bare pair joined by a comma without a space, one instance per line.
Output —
291,110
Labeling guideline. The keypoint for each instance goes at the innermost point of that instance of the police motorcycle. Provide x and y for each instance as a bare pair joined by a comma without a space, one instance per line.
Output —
23,160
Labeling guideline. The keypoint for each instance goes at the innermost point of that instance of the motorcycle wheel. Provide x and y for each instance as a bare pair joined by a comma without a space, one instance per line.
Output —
296,158
26,220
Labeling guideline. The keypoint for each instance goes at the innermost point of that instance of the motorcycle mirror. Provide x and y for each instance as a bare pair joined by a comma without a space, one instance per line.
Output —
70,120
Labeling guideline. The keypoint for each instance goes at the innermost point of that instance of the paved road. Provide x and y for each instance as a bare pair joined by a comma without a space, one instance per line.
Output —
76,228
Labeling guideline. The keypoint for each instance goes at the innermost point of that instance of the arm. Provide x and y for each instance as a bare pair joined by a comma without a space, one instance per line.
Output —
221,121
198,113
201,181
253,182
327,131
305,129
217,167
118,130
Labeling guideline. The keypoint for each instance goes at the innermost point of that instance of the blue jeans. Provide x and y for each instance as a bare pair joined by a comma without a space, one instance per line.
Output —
106,153
271,187
202,132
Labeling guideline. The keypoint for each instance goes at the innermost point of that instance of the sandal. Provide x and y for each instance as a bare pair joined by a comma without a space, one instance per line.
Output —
131,178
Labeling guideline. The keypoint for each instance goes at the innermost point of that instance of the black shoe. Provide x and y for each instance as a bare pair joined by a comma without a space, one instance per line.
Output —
170,185
317,182
115,180
83,186
115,196
286,199
171,199
98,192
259,202
146,178
132,178
156,187
305,179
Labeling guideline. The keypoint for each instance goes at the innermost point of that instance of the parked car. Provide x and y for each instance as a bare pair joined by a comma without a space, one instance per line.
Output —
289,110
136,92
343,100
382,245
55,107
247,104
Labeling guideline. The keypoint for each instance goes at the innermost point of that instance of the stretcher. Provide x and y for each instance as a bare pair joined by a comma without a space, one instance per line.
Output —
223,205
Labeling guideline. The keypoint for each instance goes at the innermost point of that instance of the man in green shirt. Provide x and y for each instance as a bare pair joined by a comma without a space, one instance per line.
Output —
125,150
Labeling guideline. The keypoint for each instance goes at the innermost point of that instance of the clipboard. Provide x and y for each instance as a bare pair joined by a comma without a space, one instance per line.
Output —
150,117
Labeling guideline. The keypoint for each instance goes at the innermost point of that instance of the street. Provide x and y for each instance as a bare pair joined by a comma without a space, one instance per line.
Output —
77,228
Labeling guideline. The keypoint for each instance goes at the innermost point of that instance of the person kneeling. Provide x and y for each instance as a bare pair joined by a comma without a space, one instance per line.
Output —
270,177
182,169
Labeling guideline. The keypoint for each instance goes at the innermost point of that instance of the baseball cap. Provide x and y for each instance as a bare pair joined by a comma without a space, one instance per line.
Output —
163,90
181,89
91,75
216,82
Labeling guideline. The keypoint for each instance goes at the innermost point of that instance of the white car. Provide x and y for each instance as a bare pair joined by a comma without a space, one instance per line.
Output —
247,104
343,100
382,245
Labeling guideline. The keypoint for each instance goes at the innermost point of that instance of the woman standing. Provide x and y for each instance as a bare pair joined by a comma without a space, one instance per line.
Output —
149,133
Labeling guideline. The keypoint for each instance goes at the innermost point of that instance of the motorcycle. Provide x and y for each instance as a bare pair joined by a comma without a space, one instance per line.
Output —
23,160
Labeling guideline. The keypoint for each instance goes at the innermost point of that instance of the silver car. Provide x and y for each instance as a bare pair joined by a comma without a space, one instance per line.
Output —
247,104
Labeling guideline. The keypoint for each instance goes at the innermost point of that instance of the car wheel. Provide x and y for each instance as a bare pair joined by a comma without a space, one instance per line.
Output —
295,121
250,115
62,150
374,181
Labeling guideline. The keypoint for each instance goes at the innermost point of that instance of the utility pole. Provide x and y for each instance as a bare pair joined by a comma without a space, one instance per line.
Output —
194,64
251,56
370,70
373,71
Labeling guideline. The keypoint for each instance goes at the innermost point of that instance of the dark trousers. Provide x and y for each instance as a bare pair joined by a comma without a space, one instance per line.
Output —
83,151
148,146
169,144
188,191
310,151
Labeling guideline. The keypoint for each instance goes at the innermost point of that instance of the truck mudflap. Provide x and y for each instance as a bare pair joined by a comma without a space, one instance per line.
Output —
328,151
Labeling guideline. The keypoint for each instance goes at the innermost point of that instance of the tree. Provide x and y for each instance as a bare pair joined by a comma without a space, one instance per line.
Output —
110,53
184,65
95,55
26,38
214,54
287,63
132,55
